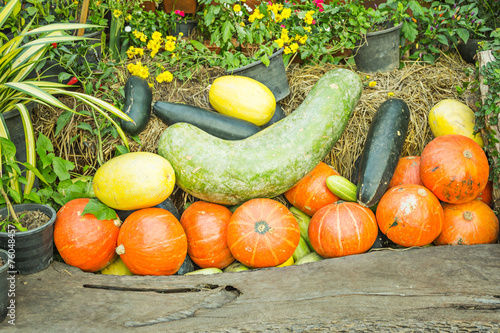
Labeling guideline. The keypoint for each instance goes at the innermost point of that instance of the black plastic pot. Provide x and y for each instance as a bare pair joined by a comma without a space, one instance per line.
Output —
272,76
4,285
187,28
32,249
379,52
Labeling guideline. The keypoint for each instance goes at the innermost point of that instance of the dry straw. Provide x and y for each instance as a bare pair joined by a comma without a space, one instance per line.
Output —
420,85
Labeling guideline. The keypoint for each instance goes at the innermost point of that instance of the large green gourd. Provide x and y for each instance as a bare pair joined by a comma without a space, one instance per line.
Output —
271,161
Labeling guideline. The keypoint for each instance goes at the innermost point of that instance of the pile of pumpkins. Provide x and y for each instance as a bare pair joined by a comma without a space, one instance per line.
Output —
442,197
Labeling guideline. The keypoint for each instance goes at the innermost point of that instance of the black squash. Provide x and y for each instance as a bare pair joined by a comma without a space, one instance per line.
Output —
383,145
216,124
138,99
166,204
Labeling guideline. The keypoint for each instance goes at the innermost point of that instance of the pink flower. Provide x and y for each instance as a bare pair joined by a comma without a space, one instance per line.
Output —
180,12
283,26
314,22
269,3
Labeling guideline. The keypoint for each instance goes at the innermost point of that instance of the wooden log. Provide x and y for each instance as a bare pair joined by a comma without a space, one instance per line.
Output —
445,289
485,57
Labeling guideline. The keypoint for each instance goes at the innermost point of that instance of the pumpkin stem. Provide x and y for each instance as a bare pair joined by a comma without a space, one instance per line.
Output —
467,154
117,222
261,227
468,216
120,249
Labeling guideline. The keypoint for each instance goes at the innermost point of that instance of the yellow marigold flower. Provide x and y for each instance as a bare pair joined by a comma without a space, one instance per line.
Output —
181,34
170,46
390,94
280,42
368,76
131,52
117,13
303,39
171,38
156,36
287,50
242,24
129,17
308,29
165,77
139,51
294,47
237,8
286,13
372,84
308,18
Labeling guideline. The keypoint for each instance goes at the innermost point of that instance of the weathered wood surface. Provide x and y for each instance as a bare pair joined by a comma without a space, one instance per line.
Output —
434,289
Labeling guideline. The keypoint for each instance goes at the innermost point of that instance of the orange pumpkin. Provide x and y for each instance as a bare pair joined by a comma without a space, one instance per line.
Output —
262,233
205,225
455,168
310,193
407,172
410,215
470,223
341,229
152,242
84,241
486,195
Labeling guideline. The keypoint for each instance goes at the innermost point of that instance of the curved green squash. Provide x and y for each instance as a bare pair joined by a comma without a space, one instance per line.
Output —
138,98
271,161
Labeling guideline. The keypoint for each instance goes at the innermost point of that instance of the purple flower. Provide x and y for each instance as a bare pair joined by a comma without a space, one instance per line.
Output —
432,28
454,6
420,55
437,25
473,20
472,13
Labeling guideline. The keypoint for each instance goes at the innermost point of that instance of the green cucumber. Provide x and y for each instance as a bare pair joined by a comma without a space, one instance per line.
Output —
205,271
384,143
138,98
310,257
236,267
270,162
217,124
342,188
303,220
301,250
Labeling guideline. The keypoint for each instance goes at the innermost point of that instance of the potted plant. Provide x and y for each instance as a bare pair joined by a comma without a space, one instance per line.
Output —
18,90
4,284
26,228
379,31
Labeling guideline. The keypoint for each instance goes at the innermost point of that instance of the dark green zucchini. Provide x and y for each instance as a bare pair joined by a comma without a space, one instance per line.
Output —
187,266
277,116
383,145
138,98
166,204
216,124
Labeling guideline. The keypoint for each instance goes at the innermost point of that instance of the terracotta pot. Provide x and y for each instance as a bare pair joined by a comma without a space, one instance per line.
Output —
149,6
187,6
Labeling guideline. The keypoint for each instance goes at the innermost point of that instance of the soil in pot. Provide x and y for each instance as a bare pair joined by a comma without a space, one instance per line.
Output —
30,219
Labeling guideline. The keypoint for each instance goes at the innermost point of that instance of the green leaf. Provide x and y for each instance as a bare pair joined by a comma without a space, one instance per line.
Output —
199,46
463,34
99,210
62,167
62,121
442,39
227,31
265,60
86,127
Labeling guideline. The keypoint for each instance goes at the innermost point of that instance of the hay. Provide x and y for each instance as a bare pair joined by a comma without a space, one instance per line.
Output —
420,85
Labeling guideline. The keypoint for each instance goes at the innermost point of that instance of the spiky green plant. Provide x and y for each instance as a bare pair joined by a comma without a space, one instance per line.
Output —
17,59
